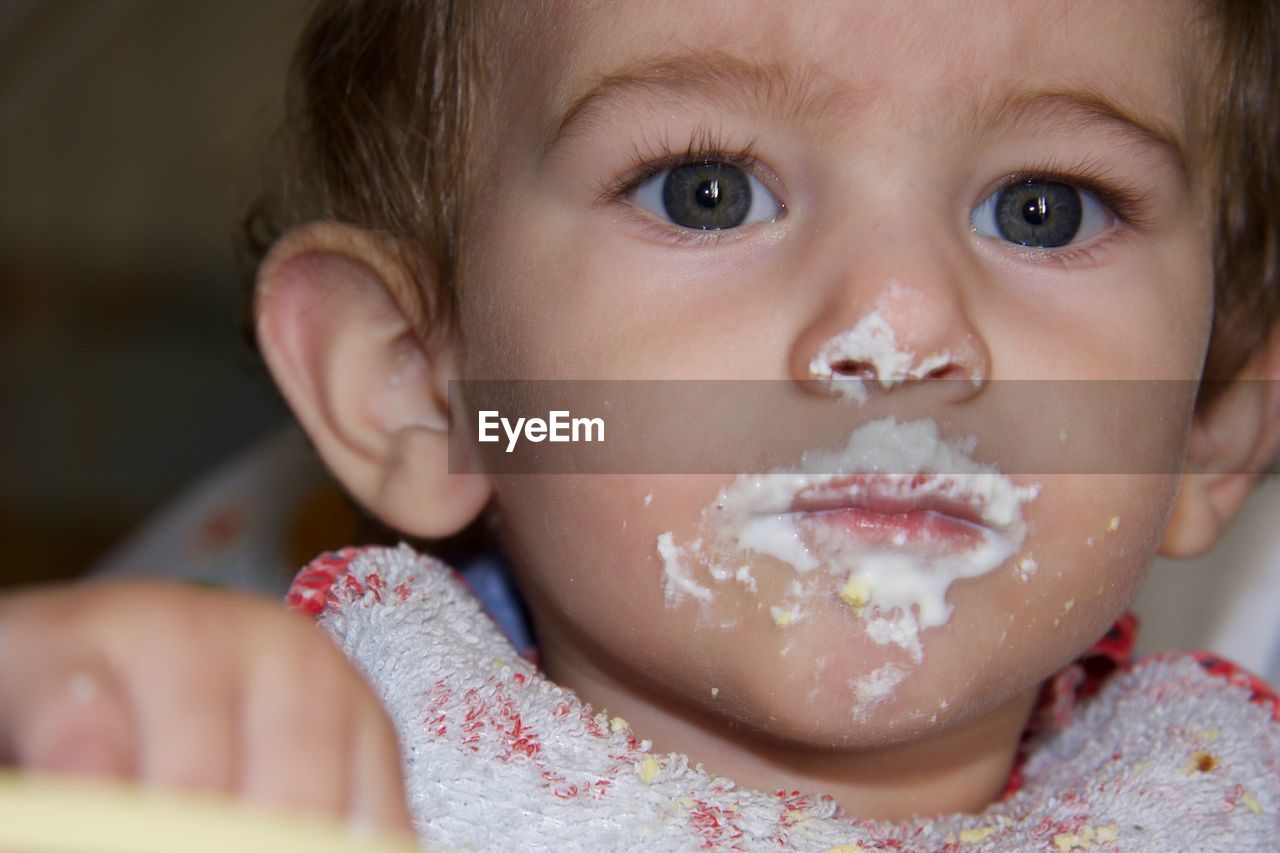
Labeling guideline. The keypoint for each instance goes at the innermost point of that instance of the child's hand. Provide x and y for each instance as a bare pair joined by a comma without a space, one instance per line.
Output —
194,688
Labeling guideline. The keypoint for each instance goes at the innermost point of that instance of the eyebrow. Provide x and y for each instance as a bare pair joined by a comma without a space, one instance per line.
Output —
715,79
1087,108
718,79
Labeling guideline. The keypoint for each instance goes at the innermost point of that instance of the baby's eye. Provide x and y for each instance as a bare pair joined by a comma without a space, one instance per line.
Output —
1041,214
709,196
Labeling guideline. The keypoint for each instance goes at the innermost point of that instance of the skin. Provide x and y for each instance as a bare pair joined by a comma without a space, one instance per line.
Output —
194,689
558,281
878,190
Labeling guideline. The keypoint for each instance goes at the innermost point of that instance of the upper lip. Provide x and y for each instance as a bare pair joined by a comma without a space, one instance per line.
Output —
886,494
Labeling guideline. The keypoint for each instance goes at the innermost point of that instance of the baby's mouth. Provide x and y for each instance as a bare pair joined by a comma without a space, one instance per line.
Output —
887,545
920,512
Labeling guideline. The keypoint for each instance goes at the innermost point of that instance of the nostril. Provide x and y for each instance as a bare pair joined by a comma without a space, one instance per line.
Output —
853,368
945,371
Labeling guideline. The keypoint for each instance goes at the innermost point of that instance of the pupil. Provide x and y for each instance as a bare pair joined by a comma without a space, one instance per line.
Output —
1036,211
709,193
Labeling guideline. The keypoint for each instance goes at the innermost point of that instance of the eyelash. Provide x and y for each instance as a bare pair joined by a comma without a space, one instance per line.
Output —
1126,201
1129,203
705,145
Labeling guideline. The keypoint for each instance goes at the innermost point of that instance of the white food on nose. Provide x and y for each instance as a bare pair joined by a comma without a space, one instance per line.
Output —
872,341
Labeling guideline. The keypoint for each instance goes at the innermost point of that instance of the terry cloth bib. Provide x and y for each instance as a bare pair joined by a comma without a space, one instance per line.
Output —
1172,753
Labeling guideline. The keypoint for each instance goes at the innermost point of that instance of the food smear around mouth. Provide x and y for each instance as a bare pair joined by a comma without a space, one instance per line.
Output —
883,548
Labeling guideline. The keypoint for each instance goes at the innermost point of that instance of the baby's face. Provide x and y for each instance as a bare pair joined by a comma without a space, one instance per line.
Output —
977,191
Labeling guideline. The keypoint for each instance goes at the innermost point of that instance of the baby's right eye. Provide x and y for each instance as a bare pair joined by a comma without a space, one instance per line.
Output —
708,196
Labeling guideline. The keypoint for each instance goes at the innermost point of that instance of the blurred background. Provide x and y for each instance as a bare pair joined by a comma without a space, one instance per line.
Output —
133,134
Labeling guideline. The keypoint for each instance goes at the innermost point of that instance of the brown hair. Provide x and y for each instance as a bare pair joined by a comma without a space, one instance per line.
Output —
382,100
379,113
1244,144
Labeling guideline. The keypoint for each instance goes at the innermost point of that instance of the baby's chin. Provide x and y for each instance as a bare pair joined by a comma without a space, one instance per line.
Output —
825,681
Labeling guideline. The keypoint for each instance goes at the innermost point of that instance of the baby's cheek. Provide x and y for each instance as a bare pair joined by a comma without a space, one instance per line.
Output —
1090,541
589,544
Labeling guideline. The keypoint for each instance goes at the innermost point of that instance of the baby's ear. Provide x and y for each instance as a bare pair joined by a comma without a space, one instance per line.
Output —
1231,445
335,313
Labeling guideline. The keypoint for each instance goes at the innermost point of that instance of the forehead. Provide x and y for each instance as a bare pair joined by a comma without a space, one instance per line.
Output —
839,61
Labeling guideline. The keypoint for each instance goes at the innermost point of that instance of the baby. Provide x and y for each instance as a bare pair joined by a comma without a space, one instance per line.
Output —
862,202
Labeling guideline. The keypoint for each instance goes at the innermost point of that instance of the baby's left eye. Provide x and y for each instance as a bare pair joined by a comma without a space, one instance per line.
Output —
1041,214
710,196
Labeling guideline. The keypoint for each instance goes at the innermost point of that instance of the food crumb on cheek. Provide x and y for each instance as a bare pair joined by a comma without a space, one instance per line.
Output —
1066,608
856,592
1114,524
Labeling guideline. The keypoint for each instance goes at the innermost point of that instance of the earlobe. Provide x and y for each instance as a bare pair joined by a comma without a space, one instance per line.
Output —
335,323
1231,444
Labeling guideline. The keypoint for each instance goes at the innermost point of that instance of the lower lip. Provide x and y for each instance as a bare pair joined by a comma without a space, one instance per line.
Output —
896,529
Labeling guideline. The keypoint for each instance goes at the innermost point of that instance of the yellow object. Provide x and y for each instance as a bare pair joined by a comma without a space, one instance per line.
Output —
856,593
973,836
64,815
649,769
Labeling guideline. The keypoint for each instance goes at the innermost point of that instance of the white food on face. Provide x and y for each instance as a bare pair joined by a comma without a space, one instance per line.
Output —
899,629
676,578
879,683
872,342
778,537
895,590
1027,567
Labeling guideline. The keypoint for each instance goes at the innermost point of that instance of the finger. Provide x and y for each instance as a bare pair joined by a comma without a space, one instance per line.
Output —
377,780
187,723
295,713
74,720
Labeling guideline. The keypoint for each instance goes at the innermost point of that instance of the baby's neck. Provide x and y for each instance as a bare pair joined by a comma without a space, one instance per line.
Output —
960,769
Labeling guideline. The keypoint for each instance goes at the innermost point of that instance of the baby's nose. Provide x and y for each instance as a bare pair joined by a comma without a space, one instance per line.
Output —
891,334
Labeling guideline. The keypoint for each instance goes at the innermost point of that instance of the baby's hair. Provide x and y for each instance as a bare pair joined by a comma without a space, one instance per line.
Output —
383,95
1243,119
380,103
